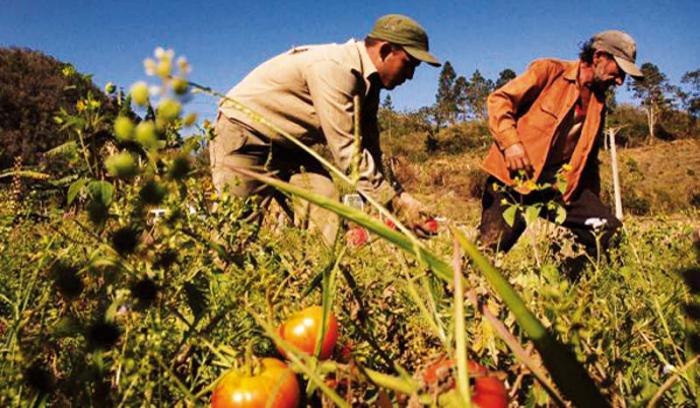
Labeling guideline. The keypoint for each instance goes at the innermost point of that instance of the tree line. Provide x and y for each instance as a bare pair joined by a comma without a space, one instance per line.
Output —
662,111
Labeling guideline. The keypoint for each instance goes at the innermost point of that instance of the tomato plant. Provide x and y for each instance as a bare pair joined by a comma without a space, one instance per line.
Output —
274,385
302,329
487,390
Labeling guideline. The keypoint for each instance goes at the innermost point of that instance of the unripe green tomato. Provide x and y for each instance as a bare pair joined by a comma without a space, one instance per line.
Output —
123,128
139,93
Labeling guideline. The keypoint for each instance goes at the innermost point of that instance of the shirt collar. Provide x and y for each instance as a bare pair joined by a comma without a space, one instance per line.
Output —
571,71
368,67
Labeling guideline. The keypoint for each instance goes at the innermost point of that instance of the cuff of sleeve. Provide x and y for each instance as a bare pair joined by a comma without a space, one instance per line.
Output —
508,138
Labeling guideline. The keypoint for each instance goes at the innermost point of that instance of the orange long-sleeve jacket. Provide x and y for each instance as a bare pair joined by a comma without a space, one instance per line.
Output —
530,108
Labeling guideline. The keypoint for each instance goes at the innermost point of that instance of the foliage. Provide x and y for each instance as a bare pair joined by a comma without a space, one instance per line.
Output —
653,92
34,86
107,303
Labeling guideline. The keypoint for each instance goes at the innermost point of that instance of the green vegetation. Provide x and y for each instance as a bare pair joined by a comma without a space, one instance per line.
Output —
104,302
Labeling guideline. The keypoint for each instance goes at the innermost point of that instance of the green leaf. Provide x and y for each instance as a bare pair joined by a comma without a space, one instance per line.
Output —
509,215
64,149
561,215
75,189
531,214
101,191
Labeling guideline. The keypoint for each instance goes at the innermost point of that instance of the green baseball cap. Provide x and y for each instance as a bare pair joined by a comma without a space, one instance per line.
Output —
406,32
623,49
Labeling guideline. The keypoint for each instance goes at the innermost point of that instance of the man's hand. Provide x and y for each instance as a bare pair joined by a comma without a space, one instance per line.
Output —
517,159
413,213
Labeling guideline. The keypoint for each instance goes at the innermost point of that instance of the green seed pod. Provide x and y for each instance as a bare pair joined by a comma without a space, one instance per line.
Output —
110,88
139,93
146,134
180,86
121,165
169,109
190,119
123,128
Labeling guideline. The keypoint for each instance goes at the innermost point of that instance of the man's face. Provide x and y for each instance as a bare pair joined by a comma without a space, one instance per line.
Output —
398,66
606,72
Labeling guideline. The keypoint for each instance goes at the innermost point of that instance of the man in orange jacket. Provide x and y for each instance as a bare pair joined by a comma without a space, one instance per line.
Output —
548,123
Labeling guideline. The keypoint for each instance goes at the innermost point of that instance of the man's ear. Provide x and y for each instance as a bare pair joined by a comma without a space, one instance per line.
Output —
385,49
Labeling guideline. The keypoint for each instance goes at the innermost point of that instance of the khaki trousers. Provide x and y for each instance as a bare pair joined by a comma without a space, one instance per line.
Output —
237,146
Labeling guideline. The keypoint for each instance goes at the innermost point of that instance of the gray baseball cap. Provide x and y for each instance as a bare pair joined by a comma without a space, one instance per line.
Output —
622,47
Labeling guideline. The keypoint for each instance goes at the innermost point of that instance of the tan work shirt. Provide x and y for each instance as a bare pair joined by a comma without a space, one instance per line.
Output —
308,92
530,109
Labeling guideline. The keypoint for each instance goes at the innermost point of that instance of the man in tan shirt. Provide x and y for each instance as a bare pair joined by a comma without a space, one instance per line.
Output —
547,120
308,92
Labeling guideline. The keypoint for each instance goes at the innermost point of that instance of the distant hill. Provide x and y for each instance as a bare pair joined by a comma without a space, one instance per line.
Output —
661,178
33,87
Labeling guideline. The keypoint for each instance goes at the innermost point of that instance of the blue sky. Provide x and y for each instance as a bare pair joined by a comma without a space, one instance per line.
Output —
225,40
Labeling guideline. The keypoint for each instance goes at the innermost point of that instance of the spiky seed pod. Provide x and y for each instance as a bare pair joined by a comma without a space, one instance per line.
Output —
180,86
67,281
146,134
169,109
121,165
692,310
691,276
110,88
39,378
179,168
145,291
102,335
165,259
97,212
152,193
125,240
124,129
139,93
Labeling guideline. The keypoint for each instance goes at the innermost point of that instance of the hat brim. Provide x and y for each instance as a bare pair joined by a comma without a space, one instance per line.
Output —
422,55
629,67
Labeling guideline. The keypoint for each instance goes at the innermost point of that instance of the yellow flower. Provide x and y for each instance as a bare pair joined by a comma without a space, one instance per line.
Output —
80,105
530,185
566,167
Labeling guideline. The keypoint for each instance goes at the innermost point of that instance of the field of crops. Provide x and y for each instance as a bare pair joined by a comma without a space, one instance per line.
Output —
105,302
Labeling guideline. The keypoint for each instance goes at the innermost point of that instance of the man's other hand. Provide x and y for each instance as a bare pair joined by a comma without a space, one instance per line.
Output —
517,159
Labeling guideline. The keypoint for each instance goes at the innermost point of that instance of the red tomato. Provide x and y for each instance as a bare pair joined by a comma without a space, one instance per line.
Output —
274,386
389,223
431,226
487,391
302,329
357,236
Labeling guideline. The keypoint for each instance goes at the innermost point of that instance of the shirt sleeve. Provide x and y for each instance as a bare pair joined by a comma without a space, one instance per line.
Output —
513,97
331,88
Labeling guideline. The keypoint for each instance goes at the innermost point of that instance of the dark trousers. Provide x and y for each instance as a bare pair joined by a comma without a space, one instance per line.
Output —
585,206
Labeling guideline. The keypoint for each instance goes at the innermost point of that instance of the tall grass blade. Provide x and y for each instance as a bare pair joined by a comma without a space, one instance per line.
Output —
568,374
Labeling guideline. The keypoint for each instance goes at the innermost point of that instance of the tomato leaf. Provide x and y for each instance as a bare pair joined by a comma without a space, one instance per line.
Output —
509,215
75,188
531,214
561,215
102,192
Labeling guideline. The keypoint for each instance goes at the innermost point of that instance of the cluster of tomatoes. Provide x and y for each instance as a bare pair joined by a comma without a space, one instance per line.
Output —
272,384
